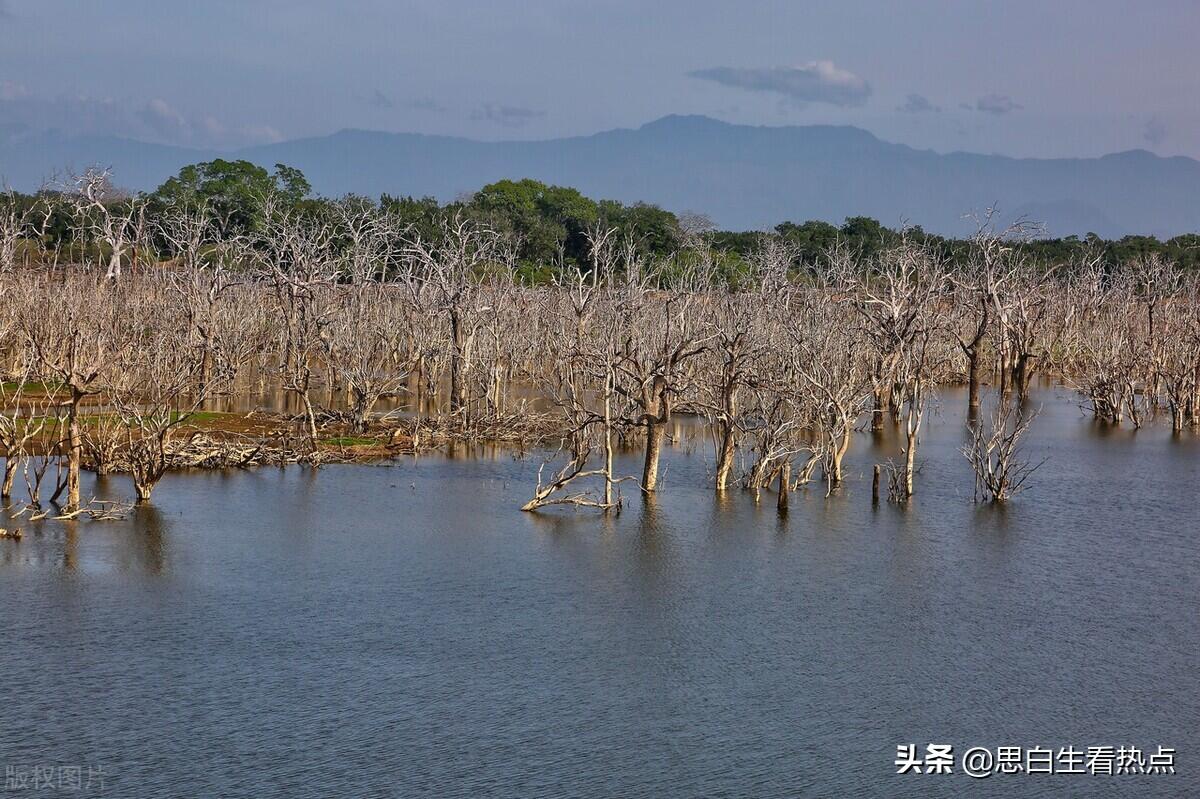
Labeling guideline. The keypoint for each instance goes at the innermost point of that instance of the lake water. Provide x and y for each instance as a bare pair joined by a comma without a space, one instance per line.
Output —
404,630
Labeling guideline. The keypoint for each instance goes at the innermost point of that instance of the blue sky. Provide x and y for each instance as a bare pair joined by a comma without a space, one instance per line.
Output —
1024,78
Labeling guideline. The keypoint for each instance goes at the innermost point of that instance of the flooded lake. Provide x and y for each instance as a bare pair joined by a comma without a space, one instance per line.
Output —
403,630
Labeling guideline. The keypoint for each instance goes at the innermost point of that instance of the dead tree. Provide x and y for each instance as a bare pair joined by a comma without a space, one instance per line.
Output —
363,342
900,298
1101,343
582,345
731,365
743,324
153,384
994,453
656,356
111,218
200,279
1032,323
775,428
449,270
14,228
1167,352
20,424
834,377
67,325
982,285
295,255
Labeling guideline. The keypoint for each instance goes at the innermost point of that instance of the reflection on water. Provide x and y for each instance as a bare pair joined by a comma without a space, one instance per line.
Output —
403,630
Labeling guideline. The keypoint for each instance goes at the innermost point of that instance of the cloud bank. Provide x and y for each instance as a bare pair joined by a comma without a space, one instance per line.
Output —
814,82
155,120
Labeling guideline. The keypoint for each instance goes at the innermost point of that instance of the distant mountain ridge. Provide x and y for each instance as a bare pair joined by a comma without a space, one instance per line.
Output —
743,177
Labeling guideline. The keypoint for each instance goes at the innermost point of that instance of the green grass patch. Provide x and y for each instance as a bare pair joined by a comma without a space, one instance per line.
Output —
29,387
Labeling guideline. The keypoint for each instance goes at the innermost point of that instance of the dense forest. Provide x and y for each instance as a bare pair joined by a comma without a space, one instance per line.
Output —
550,226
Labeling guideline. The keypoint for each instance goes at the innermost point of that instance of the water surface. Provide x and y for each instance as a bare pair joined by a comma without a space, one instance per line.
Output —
404,630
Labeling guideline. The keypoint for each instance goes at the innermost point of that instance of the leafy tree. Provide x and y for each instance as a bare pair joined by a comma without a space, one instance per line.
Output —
655,231
421,217
548,221
812,239
233,190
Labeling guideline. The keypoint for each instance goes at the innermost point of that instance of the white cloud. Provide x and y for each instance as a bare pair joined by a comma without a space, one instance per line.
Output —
163,119
814,82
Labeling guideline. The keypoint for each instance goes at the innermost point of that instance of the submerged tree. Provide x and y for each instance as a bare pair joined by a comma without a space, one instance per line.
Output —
995,455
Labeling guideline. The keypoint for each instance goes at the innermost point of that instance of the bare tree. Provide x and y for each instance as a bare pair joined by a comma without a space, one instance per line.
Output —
583,343
14,226
449,270
364,343
20,423
296,257
995,455
68,325
110,216
900,298
835,378
654,367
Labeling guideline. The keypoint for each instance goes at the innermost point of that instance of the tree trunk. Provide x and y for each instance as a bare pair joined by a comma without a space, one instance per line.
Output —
839,452
725,451
74,451
311,419
785,485
726,447
364,403
114,263
10,473
656,430
608,442
1023,374
973,398
458,391
1195,403
910,462
1005,373
880,407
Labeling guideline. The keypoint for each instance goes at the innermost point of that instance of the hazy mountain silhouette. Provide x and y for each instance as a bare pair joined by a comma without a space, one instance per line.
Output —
743,177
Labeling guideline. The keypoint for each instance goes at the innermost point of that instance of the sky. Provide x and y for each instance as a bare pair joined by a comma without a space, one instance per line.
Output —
1046,79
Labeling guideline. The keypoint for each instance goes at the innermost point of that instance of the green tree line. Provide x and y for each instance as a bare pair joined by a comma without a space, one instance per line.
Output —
551,224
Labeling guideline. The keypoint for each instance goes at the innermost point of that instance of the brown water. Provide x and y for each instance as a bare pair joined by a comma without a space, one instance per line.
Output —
403,630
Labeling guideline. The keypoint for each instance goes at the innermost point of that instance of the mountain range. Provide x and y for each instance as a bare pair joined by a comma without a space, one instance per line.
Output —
742,177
